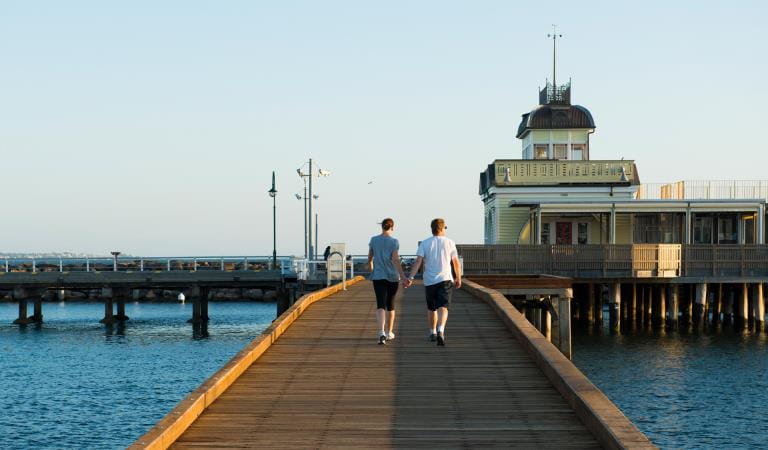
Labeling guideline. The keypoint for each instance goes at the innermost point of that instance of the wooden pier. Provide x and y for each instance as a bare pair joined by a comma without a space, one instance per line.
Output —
316,378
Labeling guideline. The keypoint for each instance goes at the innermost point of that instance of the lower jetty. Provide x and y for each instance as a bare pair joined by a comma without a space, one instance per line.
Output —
316,378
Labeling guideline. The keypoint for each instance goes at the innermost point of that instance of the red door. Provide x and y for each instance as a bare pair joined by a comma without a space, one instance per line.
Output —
564,233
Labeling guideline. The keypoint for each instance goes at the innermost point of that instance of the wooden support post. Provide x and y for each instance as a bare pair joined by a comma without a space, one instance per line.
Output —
107,295
660,307
614,306
741,307
647,305
759,308
674,306
564,325
119,296
717,305
23,296
204,294
632,307
730,300
589,302
639,299
700,306
283,303
195,294
686,305
537,318
37,317
598,305
22,319
546,321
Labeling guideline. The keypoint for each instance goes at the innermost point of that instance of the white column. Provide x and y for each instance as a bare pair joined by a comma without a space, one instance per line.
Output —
538,225
761,224
612,225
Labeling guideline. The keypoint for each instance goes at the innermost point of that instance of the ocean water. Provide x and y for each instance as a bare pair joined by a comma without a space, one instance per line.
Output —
75,383
685,389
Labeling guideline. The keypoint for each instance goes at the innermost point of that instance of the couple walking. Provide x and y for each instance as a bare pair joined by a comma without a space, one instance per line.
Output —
439,256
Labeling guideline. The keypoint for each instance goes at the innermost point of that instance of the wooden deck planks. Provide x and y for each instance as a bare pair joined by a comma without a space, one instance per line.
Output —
326,383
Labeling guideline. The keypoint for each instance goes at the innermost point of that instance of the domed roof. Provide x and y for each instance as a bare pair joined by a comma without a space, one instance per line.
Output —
550,117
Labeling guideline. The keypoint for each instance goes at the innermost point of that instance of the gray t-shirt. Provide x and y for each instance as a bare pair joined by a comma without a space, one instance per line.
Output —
383,247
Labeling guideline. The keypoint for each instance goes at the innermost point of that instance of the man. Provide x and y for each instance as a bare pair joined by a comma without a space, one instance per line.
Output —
386,273
439,255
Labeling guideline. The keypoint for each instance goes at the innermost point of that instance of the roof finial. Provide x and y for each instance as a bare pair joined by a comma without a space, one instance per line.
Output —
554,37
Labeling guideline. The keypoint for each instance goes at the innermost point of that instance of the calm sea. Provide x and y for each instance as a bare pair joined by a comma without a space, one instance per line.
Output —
75,383
685,389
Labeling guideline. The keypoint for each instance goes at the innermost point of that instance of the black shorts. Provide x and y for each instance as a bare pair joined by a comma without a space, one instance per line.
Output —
385,293
439,295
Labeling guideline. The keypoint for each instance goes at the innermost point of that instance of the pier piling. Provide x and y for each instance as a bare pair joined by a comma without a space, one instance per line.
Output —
674,306
614,306
199,304
23,296
107,296
564,324
717,305
741,308
647,305
757,308
660,308
760,305
589,303
700,306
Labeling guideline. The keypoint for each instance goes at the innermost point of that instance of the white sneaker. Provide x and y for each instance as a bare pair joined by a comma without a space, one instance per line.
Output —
390,336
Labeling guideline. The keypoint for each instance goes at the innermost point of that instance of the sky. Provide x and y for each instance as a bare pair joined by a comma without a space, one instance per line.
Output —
153,128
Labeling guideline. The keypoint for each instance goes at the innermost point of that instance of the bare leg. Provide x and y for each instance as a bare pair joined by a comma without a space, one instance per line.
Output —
432,319
442,318
380,314
390,322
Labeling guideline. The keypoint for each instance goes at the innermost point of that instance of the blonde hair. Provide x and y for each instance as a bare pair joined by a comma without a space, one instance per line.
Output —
437,225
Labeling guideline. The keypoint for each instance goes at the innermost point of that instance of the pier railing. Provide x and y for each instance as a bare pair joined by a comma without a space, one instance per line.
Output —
704,190
618,261
147,264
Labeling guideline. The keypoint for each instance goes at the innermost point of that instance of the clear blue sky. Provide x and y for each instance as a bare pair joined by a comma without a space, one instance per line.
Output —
153,127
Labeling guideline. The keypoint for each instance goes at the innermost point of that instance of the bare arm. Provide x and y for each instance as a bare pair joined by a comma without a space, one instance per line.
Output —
457,270
398,265
370,259
415,266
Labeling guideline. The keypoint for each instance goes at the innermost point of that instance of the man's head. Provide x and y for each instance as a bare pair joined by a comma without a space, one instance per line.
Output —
438,226
387,224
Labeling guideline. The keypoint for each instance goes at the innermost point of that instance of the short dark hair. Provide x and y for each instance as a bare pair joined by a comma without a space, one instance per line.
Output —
387,224
437,225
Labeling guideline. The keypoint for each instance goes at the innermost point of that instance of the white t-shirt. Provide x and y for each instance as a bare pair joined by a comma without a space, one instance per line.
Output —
437,252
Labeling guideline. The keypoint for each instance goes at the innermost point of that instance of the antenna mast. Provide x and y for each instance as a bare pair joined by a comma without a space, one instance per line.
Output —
554,37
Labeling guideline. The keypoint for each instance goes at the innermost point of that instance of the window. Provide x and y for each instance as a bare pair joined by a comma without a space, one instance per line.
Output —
561,151
540,151
583,233
728,229
702,230
577,151
545,233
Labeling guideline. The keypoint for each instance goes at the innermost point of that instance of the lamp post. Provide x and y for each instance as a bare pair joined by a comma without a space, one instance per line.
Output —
114,260
273,194
310,246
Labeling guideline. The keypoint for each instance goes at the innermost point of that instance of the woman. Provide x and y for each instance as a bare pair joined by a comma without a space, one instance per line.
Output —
386,273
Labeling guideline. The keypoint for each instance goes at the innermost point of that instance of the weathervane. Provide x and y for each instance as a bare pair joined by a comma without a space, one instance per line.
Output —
554,37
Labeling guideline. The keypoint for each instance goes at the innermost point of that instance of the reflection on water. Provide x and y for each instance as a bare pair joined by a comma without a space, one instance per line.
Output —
683,389
72,382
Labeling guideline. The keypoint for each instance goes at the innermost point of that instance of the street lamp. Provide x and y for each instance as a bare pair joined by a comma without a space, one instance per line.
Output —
273,194
309,251
114,260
